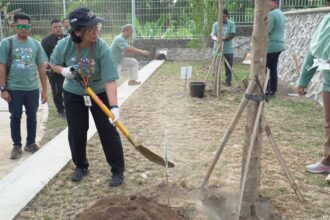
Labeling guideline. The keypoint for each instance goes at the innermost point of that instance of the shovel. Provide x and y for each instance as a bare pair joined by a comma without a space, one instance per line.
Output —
143,150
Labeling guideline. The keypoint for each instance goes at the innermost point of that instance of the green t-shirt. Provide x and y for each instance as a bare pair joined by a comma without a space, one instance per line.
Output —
117,48
319,49
276,25
228,28
27,55
103,64
320,43
307,74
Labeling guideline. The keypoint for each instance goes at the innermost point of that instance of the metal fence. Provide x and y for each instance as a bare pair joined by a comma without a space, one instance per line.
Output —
153,18
286,5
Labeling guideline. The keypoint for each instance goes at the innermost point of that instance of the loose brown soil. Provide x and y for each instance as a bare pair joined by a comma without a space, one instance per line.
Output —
129,208
162,113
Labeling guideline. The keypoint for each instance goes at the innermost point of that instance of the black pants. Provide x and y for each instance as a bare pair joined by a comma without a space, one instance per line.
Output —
56,84
229,57
272,61
77,117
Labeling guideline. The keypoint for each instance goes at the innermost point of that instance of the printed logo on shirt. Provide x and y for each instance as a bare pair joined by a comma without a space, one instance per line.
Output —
85,65
23,58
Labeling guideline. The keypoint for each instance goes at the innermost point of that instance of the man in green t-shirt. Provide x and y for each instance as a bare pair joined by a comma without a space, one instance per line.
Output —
19,87
319,49
228,33
119,48
276,25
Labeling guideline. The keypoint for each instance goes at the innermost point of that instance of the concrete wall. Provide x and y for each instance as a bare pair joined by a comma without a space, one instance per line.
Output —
300,25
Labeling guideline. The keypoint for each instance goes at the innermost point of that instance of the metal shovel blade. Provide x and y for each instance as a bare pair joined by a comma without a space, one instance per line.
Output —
153,157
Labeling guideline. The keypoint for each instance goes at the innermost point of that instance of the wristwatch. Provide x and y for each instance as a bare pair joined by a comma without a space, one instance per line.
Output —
3,88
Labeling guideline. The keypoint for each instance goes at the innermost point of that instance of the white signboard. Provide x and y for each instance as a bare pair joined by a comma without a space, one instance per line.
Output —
186,72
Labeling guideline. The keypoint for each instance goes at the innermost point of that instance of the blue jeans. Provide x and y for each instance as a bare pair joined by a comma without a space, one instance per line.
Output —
30,100
230,59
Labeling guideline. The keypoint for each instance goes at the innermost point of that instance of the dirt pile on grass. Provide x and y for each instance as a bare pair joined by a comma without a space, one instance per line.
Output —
129,208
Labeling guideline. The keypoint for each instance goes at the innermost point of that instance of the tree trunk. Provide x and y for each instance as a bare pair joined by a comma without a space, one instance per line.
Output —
217,69
250,202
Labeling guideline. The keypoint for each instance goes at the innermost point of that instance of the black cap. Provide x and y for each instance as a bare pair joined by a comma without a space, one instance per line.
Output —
83,17
225,11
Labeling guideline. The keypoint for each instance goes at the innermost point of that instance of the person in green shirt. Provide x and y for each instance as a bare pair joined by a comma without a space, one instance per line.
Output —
84,51
19,85
276,25
319,49
228,33
119,48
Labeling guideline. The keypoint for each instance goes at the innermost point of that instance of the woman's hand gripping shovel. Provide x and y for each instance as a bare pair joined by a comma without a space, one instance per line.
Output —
143,150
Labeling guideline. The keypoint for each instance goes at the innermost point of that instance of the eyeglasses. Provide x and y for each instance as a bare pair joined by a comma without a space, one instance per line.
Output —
96,28
21,26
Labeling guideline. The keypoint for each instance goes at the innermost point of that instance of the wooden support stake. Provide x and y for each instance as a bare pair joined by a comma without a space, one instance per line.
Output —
296,62
212,64
230,130
245,85
282,163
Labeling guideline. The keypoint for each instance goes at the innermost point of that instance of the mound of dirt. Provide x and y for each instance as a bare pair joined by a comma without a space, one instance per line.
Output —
128,208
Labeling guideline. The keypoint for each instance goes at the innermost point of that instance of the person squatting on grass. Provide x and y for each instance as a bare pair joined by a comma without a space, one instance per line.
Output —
319,48
19,83
120,47
55,80
228,33
85,51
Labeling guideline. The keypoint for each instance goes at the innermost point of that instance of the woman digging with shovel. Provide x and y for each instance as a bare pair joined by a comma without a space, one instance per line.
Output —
92,59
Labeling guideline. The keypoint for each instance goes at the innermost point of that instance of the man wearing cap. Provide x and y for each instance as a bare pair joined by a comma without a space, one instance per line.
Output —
92,59
119,48
228,33
319,49
19,82
55,80
276,25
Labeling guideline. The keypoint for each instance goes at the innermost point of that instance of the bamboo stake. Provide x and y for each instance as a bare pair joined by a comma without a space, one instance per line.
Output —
235,76
252,140
282,163
212,64
229,131
296,64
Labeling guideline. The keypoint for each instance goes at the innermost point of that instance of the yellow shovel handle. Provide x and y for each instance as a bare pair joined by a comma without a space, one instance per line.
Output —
106,110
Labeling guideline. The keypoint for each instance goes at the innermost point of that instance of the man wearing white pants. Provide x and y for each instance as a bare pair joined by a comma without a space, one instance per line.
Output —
120,48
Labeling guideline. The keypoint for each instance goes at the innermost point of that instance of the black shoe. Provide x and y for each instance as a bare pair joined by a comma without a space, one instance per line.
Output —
116,180
269,95
62,114
31,148
78,174
16,152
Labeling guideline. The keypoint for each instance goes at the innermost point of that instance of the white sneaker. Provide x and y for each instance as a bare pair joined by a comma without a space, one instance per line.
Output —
318,168
328,179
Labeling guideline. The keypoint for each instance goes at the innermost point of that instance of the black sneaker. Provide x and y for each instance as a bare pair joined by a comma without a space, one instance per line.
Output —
16,152
62,114
117,179
78,174
31,148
